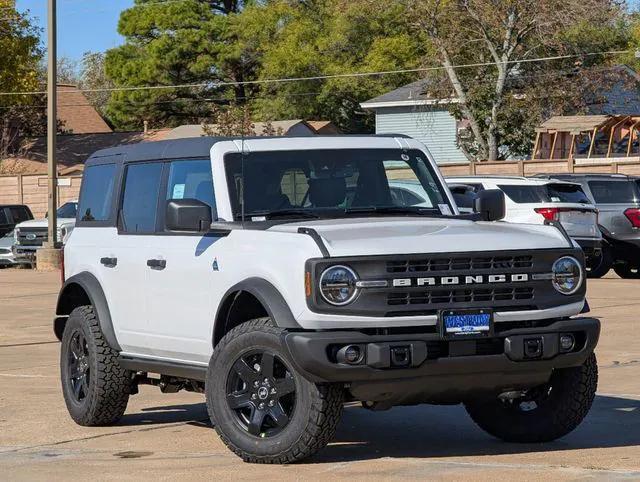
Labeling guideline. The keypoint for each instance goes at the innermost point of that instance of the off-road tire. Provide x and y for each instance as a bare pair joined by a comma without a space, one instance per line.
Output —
318,408
572,393
598,267
109,384
625,271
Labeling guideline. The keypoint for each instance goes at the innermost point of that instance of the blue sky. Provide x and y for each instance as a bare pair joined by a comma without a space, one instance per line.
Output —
83,25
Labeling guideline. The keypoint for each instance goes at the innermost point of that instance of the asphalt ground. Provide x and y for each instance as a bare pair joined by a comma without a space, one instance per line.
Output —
168,436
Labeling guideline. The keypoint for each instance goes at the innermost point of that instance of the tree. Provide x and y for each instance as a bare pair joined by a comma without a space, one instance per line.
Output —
175,43
325,37
20,55
506,35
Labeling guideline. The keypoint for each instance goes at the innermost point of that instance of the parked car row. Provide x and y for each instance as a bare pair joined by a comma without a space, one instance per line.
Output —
21,235
601,212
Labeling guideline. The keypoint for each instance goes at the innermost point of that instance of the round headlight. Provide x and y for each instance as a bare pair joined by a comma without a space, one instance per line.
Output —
338,285
567,275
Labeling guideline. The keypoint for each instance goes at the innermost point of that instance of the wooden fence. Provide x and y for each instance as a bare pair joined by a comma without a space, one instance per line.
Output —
532,167
31,189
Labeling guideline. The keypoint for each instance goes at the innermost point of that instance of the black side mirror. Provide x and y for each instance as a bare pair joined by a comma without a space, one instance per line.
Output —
490,205
188,215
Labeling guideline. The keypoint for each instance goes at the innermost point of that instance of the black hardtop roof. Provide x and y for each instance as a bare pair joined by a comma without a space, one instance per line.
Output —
185,148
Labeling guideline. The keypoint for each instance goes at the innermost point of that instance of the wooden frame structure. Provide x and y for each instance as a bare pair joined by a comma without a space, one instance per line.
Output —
592,137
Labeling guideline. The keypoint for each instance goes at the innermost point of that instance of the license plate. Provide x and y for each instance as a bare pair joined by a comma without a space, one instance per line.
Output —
577,217
461,323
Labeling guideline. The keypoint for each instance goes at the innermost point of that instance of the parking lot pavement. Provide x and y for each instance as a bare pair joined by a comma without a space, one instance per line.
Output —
169,436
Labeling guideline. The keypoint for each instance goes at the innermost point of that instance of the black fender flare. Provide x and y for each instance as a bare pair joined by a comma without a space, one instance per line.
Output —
268,295
91,286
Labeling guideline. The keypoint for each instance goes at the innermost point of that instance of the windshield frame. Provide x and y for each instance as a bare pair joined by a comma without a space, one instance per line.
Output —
417,155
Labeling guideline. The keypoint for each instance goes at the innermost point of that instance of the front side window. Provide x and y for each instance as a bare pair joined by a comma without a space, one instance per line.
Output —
19,214
140,199
192,180
97,193
613,192
333,183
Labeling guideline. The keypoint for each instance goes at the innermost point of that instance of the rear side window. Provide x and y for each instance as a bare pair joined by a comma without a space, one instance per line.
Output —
613,192
140,200
19,214
97,193
523,194
3,216
192,180
566,193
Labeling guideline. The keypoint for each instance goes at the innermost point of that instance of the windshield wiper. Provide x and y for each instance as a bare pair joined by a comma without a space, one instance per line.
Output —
281,213
419,210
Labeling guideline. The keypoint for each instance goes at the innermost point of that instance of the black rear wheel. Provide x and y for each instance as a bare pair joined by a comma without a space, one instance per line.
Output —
94,385
261,407
543,413
627,271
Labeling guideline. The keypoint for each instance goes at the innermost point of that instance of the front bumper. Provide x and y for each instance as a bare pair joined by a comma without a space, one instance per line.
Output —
440,370
24,254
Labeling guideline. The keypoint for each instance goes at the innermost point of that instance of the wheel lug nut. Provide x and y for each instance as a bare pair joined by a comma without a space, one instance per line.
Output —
271,403
273,391
256,384
261,406
266,380
254,396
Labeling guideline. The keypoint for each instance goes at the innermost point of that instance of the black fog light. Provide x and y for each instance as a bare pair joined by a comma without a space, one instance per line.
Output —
350,354
567,342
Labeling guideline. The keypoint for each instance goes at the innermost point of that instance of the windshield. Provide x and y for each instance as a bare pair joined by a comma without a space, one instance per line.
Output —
334,183
548,193
67,210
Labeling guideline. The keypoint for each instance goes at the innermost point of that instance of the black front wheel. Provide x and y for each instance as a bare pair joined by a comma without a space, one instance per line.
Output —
543,413
261,407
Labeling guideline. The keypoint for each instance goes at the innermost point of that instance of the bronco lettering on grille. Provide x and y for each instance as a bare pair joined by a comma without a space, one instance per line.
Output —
460,280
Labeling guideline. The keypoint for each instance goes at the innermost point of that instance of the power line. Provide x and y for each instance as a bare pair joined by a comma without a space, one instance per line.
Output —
328,77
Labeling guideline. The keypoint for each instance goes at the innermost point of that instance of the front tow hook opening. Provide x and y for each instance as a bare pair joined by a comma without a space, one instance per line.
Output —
400,356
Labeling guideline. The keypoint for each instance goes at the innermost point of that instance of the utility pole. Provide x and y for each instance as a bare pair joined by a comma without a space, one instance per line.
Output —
49,256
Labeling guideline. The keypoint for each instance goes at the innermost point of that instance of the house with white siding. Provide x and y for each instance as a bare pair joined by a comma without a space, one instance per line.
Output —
410,110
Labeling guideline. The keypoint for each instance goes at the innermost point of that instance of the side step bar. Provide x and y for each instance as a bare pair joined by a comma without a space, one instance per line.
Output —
179,370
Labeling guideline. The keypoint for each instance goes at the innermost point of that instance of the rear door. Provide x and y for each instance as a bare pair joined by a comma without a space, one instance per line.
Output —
613,197
127,279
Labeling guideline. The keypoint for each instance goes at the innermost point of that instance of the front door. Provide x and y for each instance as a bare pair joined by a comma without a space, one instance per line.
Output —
181,284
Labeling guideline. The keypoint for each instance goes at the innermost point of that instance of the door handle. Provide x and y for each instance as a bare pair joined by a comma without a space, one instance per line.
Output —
109,262
157,263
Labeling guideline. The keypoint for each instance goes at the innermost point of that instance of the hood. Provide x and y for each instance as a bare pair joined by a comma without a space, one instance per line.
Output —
43,223
380,236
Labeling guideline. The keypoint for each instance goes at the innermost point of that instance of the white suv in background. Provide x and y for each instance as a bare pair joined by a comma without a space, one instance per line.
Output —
536,201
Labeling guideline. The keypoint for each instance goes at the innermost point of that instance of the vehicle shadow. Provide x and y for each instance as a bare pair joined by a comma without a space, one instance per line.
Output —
432,431
186,413
447,431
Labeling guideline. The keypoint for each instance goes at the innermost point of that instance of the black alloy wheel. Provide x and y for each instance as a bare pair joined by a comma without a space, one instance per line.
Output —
261,392
78,366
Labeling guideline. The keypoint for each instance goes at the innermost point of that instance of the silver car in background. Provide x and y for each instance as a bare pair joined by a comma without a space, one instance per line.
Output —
617,198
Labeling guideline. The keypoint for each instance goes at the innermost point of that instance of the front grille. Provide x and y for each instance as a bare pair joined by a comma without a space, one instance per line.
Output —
39,236
459,264
452,296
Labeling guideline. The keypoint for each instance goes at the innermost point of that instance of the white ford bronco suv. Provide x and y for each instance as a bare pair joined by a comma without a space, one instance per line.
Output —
278,277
